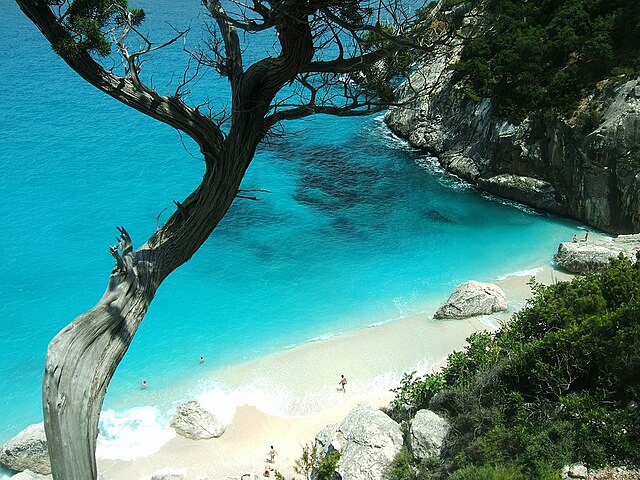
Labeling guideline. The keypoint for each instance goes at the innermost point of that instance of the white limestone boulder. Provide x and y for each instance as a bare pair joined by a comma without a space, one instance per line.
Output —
577,471
29,475
27,451
194,422
473,298
367,439
596,254
426,434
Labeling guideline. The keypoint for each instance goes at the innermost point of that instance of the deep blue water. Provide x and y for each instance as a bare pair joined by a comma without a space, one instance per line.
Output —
357,228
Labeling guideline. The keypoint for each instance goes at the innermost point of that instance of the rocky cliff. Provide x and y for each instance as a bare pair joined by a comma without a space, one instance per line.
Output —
545,162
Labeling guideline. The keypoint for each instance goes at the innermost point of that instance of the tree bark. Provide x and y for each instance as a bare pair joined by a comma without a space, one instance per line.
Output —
82,358
81,361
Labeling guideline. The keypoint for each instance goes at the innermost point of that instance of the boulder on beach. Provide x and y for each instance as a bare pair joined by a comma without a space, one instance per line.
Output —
426,434
596,254
27,451
367,439
194,422
577,471
473,298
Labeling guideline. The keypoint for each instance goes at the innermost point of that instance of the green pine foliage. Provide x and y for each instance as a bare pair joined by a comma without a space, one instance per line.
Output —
382,76
91,25
315,465
559,384
541,56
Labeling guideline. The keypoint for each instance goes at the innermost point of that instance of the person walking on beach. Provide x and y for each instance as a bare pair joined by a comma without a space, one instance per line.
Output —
586,235
342,382
272,455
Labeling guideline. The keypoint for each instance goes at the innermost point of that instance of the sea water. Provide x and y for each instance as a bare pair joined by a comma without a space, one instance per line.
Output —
356,229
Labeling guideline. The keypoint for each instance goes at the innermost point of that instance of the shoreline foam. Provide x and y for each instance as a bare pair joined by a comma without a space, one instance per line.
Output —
285,397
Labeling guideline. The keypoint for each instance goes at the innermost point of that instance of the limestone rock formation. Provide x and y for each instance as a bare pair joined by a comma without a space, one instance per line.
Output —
170,474
545,162
575,471
27,451
29,475
579,471
367,440
473,298
426,433
614,473
192,421
595,254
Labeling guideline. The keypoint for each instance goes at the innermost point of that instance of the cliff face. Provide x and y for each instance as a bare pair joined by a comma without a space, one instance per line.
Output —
548,163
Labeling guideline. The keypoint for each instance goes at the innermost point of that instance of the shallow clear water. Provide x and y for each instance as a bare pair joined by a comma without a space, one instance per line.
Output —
357,229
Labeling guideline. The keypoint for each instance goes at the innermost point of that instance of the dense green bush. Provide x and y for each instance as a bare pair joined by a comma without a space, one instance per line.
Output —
540,56
313,464
559,384
588,120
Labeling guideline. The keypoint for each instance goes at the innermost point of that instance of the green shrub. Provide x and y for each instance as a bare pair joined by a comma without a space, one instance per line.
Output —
312,464
327,466
589,120
559,384
542,56
473,472
403,467
413,394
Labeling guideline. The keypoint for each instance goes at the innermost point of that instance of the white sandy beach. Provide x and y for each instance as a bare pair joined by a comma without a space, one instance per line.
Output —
303,382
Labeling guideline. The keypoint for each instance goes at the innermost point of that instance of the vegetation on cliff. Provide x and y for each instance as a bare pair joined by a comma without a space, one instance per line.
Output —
544,55
559,384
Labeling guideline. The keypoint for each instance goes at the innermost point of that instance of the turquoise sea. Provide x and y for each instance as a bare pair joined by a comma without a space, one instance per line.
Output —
358,227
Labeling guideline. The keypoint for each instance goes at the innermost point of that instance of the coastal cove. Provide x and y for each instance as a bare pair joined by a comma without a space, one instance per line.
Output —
340,266
303,379
286,397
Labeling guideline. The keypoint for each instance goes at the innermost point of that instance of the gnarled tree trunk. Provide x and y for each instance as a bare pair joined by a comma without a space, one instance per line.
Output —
82,358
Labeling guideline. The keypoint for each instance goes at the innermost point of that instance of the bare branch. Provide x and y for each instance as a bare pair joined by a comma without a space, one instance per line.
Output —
247,24
350,65
250,197
233,64
126,90
353,110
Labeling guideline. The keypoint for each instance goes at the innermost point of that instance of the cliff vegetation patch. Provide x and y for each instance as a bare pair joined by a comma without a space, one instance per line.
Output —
558,385
544,55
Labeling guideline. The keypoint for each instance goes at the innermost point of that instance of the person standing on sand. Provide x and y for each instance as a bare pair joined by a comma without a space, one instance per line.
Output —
586,235
342,382
272,455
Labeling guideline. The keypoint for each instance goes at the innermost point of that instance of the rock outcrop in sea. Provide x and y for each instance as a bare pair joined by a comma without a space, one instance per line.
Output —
596,254
367,439
27,451
546,162
194,422
473,298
